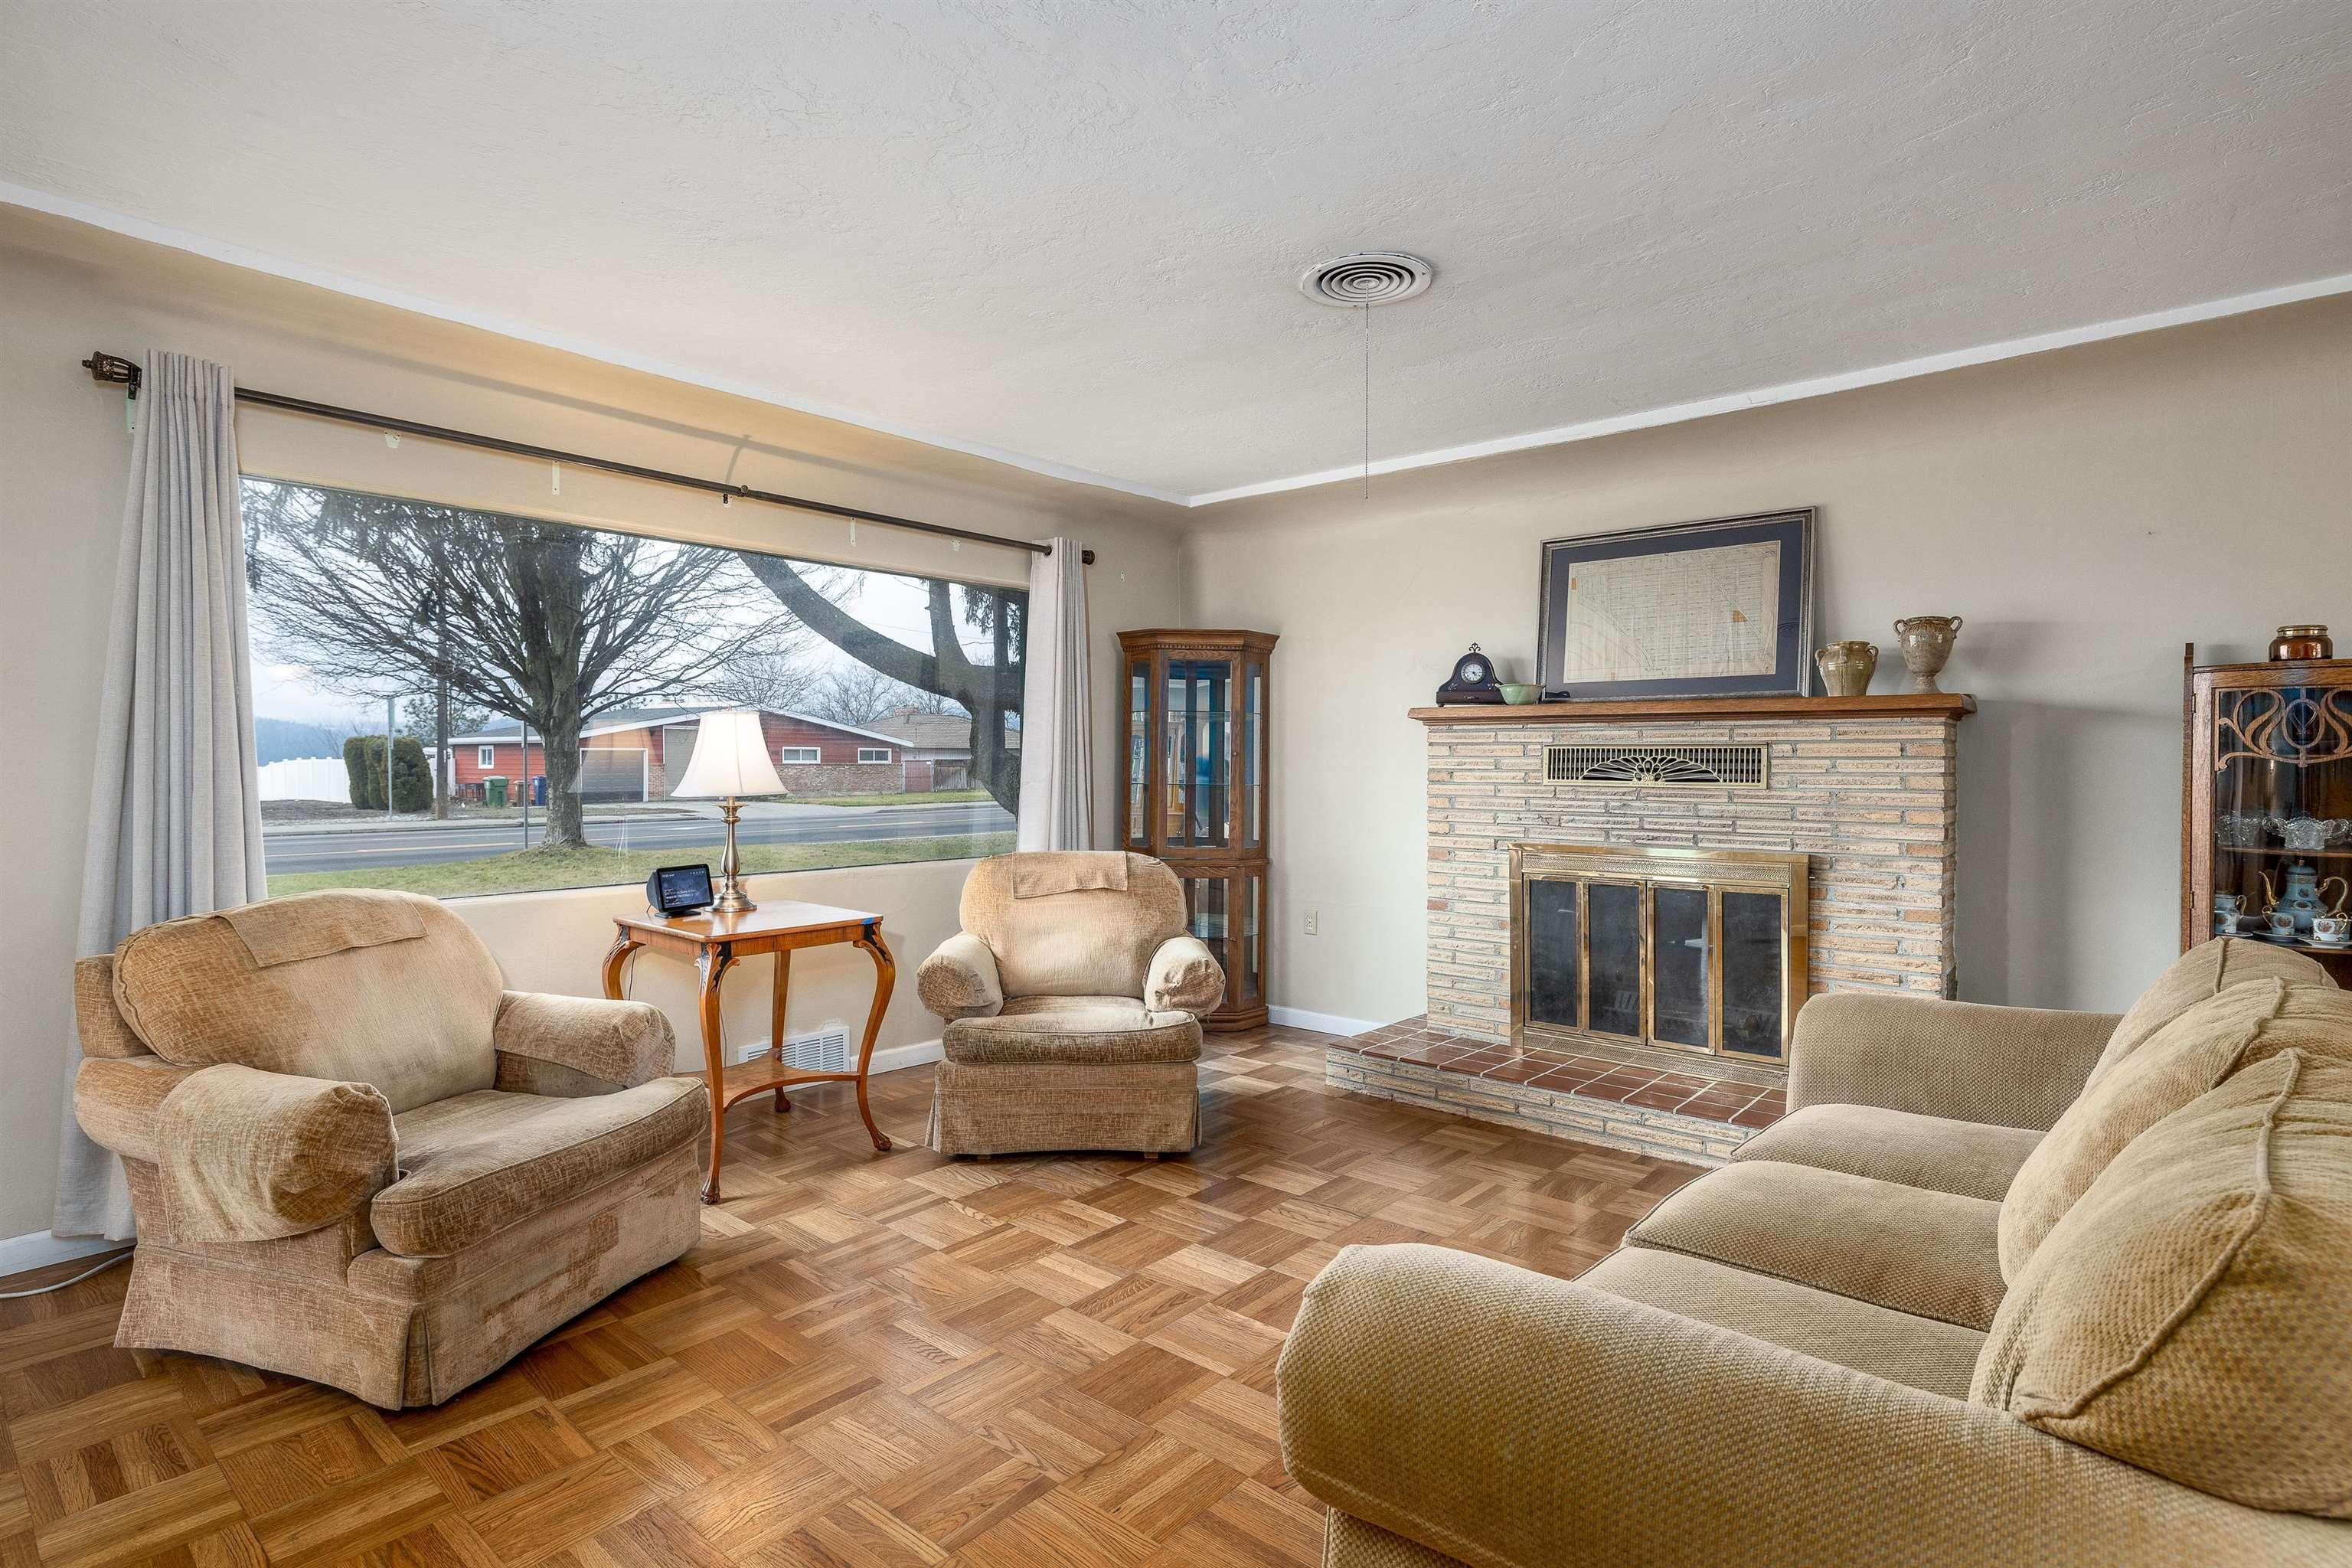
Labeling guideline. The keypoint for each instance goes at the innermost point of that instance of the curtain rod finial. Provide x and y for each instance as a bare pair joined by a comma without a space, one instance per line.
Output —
112,370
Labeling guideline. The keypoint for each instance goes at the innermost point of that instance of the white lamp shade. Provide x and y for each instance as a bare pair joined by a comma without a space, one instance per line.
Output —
730,757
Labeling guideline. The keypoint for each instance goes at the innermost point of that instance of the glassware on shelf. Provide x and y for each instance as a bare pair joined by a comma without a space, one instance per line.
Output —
2267,821
2240,829
2309,834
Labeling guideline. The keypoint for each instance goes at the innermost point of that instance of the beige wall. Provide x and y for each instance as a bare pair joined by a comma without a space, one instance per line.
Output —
2088,512
66,290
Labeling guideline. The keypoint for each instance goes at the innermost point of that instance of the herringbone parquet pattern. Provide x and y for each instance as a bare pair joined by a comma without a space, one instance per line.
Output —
870,1361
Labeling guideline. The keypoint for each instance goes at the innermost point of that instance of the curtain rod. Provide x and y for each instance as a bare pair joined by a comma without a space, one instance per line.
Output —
113,370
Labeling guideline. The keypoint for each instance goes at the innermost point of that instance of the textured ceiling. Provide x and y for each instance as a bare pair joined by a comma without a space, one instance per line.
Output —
1069,233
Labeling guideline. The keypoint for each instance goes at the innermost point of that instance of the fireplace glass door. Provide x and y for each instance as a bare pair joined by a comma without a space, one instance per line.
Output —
1675,951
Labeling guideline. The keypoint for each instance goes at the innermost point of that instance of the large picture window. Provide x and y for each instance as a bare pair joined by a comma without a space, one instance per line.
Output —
462,703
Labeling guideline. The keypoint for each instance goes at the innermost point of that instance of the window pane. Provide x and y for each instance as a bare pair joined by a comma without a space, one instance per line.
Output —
1139,758
1615,912
1253,897
1176,763
562,674
1678,1006
1751,974
1207,897
1254,749
1213,779
1555,959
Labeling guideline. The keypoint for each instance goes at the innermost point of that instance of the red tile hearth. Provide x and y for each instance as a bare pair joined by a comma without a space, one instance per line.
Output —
1684,1111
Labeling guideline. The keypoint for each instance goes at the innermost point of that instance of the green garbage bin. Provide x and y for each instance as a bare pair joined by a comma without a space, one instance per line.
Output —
497,786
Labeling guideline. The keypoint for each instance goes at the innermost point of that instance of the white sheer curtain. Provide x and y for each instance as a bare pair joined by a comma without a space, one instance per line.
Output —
1057,747
174,808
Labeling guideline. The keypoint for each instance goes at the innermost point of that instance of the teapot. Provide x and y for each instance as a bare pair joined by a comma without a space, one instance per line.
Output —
2293,913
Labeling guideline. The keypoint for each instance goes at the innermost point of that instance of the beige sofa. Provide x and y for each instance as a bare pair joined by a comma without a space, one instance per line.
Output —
355,1157
2007,1287
1072,997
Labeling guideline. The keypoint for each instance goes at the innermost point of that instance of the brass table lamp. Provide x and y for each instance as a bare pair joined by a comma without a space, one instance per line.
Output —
731,759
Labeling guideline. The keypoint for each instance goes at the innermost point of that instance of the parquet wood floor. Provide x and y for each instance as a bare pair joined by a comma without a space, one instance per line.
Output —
869,1360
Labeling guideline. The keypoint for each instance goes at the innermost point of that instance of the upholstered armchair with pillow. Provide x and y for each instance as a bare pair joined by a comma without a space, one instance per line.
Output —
355,1157
2008,1286
1072,997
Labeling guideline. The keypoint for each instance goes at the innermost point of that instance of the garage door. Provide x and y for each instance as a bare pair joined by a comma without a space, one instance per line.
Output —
611,772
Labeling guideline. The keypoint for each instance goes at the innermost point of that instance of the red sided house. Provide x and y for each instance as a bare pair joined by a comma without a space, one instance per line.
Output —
640,754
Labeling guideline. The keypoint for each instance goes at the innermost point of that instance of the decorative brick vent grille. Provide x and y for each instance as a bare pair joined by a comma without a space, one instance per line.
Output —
1697,767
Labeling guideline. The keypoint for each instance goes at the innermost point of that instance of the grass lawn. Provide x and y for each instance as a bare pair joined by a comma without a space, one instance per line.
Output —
533,871
928,798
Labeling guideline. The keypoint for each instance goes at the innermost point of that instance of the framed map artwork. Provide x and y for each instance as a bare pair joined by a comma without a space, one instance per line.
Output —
1718,608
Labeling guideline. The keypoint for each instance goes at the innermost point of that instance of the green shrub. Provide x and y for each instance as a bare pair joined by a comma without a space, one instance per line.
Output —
363,766
412,776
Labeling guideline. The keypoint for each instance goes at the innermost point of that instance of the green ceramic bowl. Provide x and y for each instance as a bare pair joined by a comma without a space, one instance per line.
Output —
1518,694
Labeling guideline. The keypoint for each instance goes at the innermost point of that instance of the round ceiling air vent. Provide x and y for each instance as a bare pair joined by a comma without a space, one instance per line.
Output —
1368,278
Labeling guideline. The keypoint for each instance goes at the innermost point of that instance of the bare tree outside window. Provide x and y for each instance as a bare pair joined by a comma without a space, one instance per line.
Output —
549,623
558,675
984,682
860,694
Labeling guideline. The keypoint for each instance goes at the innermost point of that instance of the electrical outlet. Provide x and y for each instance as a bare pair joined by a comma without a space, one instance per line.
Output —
1314,921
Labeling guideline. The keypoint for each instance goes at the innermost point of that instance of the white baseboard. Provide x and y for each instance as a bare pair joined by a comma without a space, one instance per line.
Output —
1326,1023
889,1058
908,1055
38,1250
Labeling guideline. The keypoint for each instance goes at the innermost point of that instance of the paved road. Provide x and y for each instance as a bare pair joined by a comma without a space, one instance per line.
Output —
349,850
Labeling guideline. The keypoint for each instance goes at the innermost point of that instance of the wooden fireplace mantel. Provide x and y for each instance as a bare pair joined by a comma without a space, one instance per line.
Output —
1952,705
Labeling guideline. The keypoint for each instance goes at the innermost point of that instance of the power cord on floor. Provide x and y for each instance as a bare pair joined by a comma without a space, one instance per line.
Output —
122,1256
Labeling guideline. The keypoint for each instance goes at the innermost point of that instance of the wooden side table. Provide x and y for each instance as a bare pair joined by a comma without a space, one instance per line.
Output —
714,943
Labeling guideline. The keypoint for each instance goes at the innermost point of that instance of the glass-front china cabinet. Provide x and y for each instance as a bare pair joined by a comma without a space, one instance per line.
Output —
1193,790
2267,826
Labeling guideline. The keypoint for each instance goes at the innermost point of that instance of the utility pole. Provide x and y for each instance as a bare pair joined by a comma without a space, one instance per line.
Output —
387,756
526,781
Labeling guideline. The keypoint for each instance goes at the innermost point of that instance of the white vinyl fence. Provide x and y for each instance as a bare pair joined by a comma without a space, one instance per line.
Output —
306,778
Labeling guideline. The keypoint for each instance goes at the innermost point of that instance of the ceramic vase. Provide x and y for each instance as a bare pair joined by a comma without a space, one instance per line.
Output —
1927,643
1846,667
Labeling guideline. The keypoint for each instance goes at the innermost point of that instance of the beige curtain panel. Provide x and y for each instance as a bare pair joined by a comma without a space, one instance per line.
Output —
1057,748
175,813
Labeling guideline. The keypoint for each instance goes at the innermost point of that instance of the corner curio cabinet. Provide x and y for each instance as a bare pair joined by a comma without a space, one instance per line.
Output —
1193,790
2266,808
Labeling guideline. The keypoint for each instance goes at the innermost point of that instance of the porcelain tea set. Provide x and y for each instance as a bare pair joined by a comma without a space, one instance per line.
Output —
2300,914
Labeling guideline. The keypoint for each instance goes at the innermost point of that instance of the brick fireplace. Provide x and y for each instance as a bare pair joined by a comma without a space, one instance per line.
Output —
1862,788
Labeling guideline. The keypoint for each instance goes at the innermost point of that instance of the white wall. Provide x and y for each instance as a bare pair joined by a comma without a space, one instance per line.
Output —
2088,512
66,290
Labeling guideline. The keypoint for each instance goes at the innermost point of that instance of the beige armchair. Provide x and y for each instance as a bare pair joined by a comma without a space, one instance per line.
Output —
2007,1285
1072,997
354,1157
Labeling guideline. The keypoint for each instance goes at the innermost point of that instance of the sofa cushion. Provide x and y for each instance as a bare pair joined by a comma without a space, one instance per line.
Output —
386,989
475,1163
2205,971
1930,1253
1897,1346
2192,1313
1971,1158
1086,940
1102,1029
2246,1022
252,1156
